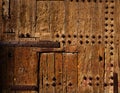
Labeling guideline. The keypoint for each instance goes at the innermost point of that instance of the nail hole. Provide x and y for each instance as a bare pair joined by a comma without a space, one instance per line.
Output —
85,78
93,42
99,36
99,42
106,42
75,36
57,35
90,84
63,42
27,35
93,36
81,36
63,36
106,7
90,78
106,36
111,65
97,78
106,18
106,1
111,42
106,12
59,84
87,36
106,24
111,53
100,1
111,30
97,84
111,18
70,84
69,41
112,12
111,36
112,25
81,42
112,1
105,84
112,7
111,77
69,36
54,84
111,48
47,84
87,42
54,79
111,84
106,30
100,58
95,0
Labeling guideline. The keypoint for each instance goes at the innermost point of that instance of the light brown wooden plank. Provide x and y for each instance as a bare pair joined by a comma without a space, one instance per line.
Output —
58,72
117,47
57,21
43,21
95,46
64,74
100,41
43,74
71,25
51,73
71,60
83,60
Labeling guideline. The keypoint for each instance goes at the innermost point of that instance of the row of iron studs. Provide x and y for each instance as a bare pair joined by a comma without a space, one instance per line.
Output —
109,29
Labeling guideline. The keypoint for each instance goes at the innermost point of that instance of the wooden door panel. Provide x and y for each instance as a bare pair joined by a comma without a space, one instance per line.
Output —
58,75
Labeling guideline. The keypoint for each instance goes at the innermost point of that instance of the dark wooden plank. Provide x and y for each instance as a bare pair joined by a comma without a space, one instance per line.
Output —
25,68
40,44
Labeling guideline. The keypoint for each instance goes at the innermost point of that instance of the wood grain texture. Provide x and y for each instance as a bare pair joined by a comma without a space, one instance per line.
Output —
58,72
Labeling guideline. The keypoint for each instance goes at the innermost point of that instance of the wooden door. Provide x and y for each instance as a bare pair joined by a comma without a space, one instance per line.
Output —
87,60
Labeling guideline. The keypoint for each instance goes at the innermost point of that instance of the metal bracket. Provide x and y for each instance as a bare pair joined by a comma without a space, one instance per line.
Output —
40,44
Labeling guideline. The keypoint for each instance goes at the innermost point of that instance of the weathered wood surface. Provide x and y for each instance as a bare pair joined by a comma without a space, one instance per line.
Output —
88,59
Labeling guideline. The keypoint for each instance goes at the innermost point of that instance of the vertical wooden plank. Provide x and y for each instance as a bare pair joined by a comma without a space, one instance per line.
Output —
25,68
71,60
117,46
71,25
100,41
95,46
43,74
57,21
84,55
109,55
58,72
64,74
43,21
51,73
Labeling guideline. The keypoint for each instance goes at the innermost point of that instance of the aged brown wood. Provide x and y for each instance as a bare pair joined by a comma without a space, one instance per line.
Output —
83,53
40,44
